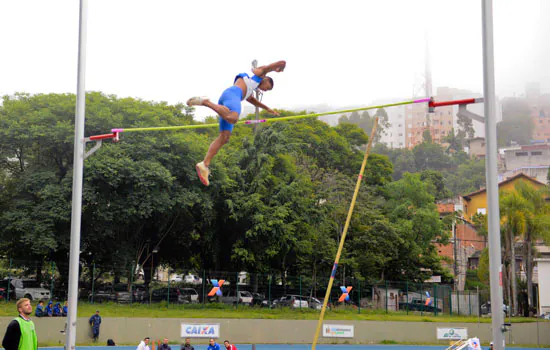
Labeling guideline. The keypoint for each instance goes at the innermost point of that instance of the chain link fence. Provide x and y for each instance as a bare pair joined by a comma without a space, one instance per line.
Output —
131,284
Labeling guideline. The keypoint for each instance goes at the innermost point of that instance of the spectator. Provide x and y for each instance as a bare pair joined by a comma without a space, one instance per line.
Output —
187,345
65,309
491,346
164,345
143,345
110,342
95,322
21,333
40,309
229,346
213,345
57,310
49,309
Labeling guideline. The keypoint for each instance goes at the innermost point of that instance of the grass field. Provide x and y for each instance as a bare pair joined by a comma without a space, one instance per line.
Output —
163,310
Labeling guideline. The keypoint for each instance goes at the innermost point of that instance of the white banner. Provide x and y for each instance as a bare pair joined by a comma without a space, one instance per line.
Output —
338,331
200,330
452,333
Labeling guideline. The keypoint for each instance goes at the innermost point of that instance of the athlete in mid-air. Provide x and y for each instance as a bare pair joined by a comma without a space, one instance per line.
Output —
229,108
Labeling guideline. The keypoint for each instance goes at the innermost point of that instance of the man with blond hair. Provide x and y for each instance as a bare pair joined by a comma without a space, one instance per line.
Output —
21,334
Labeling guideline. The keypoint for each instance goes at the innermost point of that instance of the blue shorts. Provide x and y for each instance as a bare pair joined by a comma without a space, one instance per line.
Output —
230,98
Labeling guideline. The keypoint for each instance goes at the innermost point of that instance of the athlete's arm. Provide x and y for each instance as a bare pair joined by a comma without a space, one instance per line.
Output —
257,103
278,66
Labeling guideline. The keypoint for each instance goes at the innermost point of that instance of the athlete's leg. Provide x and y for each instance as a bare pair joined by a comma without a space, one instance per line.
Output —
202,168
231,116
215,146
224,112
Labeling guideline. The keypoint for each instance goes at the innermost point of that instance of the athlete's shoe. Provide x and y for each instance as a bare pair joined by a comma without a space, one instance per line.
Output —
197,101
203,172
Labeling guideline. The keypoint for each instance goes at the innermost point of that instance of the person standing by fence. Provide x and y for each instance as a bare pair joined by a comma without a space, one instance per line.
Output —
21,334
95,321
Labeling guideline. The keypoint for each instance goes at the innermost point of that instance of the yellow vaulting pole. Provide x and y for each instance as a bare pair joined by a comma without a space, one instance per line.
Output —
344,233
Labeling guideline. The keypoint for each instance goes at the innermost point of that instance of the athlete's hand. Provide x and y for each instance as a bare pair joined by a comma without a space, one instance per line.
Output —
280,66
271,111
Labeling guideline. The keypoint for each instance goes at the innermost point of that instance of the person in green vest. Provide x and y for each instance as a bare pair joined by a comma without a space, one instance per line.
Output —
21,334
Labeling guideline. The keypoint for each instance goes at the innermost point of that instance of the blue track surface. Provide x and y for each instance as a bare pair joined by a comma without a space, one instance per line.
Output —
288,347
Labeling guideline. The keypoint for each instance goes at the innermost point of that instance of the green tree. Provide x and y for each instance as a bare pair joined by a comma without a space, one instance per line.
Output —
513,210
537,227
411,208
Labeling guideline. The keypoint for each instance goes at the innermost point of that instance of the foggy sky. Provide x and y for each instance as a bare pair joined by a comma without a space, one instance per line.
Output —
339,53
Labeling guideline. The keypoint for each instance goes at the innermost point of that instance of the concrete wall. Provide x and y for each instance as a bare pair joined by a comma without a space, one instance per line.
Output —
131,330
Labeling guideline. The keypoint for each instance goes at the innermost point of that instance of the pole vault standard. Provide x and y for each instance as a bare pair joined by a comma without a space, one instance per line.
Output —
78,170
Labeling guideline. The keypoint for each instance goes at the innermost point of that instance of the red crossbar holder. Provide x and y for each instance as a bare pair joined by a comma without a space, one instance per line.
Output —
114,136
98,141
432,104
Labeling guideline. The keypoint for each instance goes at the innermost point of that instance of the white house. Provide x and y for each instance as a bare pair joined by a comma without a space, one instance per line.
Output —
543,265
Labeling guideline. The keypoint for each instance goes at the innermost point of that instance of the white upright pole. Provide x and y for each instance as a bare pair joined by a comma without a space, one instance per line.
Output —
495,262
78,169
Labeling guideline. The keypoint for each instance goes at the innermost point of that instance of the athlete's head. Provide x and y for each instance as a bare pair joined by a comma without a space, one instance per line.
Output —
266,84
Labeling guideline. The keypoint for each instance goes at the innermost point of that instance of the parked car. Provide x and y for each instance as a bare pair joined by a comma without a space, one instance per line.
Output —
418,305
118,293
314,303
486,309
30,289
165,294
293,301
4,287
241,297
188,296
192,279
260,300
140,294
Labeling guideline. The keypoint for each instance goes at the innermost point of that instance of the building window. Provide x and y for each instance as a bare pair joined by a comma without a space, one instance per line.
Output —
536,153
482,211
400,134
410,134
521,154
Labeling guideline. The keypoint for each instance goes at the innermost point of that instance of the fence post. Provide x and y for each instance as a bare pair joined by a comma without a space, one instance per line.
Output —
269,290
450,301
300,277
237,295
470,302
93,281
51,284
9,280
132,271
386,285
457,302
435,299
407,295
203,288
421,296
359,301
168,298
